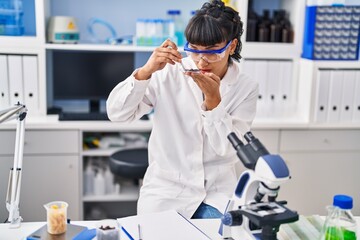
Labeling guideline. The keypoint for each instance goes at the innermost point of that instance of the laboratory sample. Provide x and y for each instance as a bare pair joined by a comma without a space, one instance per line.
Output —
56,217
107,229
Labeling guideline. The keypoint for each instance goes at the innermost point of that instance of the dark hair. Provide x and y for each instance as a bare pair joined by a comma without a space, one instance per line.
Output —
215,23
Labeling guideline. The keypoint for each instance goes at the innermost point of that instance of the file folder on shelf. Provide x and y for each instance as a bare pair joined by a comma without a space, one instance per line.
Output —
31,84
356,104
15,79
322,95
273,88
286,104
4,83
347,97
260,76
335,92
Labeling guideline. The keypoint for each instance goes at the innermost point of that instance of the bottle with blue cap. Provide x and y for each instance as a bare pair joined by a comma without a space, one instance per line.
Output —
175,15
340,223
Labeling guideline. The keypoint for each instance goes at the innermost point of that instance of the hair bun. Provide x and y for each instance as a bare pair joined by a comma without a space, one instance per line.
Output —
219,4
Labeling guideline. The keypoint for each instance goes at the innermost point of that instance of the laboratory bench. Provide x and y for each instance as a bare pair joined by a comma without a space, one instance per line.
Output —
324,160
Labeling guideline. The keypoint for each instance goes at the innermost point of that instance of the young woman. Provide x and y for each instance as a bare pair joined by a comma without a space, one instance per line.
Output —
191,162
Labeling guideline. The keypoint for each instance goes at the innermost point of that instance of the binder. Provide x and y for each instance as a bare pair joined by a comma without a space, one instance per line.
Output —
31,84
15,79
322,95
260,76
335,92
249,68
356,104
4,83
273,85
347,96
285,87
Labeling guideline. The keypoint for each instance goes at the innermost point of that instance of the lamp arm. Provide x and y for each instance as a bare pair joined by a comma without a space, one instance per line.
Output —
14,185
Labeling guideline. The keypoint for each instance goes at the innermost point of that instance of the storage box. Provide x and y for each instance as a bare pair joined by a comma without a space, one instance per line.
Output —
331,32
11,17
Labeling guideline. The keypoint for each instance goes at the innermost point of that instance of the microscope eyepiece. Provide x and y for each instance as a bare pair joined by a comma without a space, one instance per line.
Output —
249,137
235,141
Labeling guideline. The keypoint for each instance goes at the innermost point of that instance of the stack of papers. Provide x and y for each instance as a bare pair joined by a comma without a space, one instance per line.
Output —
307,228
159,226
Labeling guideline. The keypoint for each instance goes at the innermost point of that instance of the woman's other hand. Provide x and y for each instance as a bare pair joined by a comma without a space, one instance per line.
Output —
209,84
166,53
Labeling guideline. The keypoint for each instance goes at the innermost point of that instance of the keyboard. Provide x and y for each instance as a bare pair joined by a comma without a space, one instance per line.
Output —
73,116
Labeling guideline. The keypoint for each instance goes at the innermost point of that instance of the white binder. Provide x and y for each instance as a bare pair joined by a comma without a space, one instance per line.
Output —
273,88
322,95
4,83
15,79
260,76
285,87
347,97
335,92
356,104
31,84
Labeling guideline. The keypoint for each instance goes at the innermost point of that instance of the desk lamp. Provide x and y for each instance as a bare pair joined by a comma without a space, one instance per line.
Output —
17,112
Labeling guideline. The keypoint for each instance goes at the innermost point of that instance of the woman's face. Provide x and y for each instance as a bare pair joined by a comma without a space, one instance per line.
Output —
216,63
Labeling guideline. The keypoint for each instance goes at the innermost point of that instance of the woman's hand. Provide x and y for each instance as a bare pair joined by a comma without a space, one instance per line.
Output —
209,84
166,53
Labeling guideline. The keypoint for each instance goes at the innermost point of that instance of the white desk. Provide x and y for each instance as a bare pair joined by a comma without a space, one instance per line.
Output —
209,226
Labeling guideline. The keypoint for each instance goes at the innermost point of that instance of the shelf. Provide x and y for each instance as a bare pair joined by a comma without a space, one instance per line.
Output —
262,50
126,194
100,152
20,44
99,47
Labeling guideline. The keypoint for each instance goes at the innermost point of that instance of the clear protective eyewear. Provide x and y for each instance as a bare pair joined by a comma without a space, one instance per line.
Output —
210,56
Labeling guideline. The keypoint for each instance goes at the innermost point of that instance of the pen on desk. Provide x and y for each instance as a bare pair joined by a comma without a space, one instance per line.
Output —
139,231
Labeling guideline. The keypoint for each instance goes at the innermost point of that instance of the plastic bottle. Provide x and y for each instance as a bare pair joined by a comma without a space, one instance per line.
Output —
168,28
89,176
179,25
340,223
99,184
109,181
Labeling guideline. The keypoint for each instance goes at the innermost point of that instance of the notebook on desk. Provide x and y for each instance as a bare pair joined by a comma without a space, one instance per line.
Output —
160,226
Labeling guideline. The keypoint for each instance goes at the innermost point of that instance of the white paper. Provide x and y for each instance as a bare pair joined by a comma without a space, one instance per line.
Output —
160,226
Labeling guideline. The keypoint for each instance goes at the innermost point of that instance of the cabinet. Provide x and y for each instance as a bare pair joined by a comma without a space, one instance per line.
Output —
108,202
50,171
322,163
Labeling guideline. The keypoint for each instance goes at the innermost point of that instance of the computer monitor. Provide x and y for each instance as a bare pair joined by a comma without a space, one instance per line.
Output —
89,75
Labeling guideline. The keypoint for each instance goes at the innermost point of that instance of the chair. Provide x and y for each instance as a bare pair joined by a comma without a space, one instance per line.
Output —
129,163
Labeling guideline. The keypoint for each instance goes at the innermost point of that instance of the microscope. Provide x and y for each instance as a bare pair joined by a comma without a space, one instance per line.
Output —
247,215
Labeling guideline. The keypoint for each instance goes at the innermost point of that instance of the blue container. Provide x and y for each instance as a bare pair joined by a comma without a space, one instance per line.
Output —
11,17
332,32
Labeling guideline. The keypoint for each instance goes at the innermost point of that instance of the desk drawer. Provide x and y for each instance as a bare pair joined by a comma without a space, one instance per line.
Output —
319,140
42,142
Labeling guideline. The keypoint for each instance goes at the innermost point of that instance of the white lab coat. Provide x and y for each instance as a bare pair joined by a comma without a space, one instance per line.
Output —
190,158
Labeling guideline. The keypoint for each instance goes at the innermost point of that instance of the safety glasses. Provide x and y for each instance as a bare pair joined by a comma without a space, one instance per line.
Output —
210,56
